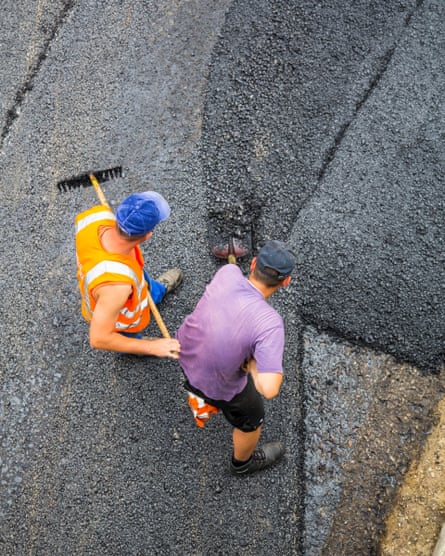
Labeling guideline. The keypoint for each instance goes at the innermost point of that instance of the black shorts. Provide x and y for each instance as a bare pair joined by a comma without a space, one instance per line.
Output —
245,411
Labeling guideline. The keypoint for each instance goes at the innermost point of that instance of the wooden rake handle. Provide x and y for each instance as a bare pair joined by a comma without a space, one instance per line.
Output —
98,190
153,308
157,315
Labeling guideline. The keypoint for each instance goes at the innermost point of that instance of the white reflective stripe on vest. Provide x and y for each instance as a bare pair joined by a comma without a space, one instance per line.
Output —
121,326
94,217
115,268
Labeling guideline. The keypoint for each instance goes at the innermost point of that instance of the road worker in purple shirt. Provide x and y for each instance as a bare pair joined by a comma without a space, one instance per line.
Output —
232,352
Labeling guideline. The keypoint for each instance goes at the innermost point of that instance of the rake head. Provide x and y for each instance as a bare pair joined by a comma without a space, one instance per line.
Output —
83,180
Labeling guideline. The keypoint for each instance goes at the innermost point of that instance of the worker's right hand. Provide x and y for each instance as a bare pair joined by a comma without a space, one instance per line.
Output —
165,347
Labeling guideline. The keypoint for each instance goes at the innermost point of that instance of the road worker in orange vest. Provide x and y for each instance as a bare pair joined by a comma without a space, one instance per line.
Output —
112,280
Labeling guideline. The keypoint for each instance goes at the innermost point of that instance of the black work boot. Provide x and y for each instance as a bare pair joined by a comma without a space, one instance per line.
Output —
171,279
262,457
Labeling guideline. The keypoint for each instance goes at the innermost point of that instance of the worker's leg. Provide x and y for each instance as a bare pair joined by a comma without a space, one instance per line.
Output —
157,290
244,443
166,283
246,413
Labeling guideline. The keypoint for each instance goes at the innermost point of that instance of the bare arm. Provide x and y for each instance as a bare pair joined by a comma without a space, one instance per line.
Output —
109,301
267,384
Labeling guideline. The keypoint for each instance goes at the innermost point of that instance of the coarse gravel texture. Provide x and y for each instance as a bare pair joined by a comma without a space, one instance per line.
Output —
326,125
415,523
317,122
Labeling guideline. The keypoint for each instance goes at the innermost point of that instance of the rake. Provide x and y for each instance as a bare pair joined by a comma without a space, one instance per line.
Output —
84,180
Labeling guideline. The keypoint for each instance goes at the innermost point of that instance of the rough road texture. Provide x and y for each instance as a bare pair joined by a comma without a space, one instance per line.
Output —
319,123
333,120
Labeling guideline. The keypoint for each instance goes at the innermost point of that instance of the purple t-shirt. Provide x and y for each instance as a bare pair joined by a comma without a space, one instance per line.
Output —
232,322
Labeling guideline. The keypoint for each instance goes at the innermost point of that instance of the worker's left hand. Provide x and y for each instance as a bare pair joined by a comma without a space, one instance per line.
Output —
164,347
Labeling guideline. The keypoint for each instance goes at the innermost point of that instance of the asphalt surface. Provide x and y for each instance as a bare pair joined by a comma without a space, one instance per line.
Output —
317,123
333,119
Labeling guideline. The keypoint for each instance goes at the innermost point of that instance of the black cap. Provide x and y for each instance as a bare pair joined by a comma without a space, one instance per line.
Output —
276,256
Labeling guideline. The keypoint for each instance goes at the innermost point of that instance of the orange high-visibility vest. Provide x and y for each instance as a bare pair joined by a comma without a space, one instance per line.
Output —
96,266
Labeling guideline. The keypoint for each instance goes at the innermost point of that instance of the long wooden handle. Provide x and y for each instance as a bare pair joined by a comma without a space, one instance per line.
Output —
153,308
98,190
231,258
157,316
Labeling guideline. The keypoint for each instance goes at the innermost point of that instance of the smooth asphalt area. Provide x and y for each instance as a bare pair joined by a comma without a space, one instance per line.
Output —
317,123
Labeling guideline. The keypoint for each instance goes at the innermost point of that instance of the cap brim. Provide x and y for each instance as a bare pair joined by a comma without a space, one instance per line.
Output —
161,204
164,209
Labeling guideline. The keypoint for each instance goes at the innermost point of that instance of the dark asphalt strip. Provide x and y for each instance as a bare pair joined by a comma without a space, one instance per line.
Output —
379,72
283,103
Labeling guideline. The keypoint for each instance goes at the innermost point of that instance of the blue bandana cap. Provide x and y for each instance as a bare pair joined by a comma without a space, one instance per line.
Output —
276,256
139,213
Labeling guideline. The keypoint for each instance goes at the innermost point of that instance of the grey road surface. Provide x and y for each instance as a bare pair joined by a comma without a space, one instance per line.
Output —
319,123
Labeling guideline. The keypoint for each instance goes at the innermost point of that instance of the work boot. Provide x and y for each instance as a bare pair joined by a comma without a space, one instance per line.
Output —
171,279
262,457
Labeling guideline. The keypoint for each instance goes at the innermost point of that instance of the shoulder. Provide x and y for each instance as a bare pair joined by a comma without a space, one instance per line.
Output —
96,213
267,318
231,270
227,275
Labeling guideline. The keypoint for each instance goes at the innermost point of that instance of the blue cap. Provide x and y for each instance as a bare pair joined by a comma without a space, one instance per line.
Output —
276,256
139,213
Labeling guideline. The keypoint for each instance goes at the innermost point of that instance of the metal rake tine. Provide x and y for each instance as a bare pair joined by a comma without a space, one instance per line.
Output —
111,173
84,179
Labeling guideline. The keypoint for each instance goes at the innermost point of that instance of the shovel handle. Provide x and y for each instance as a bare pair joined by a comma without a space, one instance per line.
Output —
231,256
151,303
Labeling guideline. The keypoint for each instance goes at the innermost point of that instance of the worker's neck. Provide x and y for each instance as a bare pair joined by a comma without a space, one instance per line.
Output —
266,291
113,242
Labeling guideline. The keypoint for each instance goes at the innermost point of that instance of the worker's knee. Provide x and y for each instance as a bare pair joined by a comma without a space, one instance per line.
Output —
249,426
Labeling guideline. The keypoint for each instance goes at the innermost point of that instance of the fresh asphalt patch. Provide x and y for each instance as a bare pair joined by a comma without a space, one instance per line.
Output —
326,129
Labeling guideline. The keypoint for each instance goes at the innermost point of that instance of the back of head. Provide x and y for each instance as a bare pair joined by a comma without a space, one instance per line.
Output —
140,213
275,262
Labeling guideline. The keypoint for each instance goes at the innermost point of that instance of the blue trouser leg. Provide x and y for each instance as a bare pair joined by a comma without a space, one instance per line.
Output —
157,290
